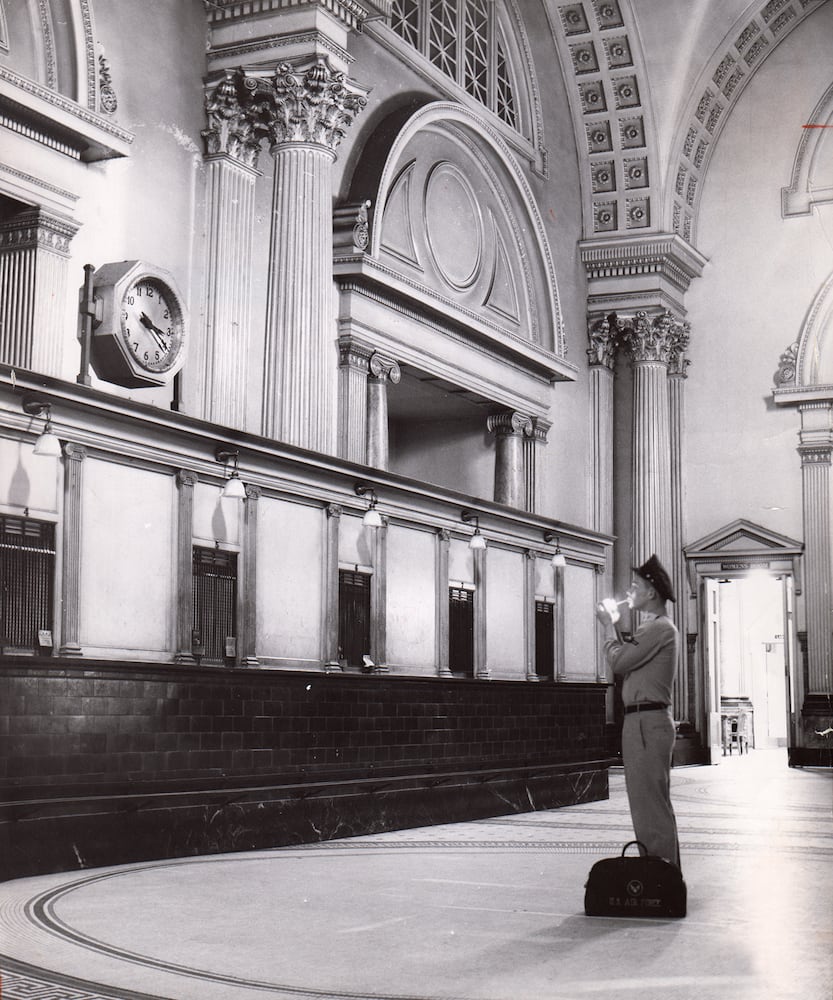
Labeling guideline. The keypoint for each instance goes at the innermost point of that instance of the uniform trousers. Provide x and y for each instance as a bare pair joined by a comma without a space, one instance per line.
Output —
647,747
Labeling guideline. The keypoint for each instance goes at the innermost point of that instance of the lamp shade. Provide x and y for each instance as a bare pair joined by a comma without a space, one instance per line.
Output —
372,518
558,560
234,488
48,445
477,541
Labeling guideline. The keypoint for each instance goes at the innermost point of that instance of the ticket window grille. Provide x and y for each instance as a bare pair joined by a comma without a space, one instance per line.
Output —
544,640
215,601
461,631
27,581
353,617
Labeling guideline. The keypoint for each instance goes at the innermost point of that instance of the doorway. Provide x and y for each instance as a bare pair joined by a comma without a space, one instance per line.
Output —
751,662
744,681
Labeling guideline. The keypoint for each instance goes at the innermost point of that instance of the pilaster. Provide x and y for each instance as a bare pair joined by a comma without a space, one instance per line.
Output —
354,366
34,257
232,146
481,666
248,591
185,483
677,369
816,451
443,544
378,599
329,606
601,357
74,456
534,450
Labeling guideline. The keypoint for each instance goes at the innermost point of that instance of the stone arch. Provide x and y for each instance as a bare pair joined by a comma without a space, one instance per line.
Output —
511,214
744,49
812,178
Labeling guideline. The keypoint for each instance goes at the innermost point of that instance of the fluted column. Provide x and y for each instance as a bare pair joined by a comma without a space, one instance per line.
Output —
306,111
648,344
231,161
74,456
509,429
248,589
381,371
816,451
185,483
34,257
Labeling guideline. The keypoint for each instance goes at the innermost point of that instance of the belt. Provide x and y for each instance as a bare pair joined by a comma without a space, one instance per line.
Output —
646,706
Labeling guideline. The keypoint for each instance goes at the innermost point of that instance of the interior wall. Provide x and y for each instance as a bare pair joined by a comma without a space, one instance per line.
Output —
748,307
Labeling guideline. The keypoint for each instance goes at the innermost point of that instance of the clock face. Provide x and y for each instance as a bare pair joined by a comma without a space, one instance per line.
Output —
151,324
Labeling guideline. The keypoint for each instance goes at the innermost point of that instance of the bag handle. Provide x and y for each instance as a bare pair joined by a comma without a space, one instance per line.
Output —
638,844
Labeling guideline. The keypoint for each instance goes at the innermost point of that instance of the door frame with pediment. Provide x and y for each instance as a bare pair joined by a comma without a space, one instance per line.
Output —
731,553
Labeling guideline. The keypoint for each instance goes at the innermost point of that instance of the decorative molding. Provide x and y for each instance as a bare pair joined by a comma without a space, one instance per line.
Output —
37,229
351,12
107,100
58,122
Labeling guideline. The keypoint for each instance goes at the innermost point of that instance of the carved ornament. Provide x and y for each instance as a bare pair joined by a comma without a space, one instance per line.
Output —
232,129
384,369
787,367
661,338
304,104
603,338
509,422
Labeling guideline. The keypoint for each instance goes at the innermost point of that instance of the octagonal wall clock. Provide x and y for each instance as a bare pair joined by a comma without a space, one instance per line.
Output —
140,328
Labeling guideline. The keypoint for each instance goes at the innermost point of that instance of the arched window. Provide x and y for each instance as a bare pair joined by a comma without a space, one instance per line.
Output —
465,40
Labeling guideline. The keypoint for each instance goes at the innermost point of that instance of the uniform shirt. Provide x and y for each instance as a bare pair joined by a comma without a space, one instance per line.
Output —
648,662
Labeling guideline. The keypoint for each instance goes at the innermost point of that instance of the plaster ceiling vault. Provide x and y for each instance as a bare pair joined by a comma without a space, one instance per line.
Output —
647,111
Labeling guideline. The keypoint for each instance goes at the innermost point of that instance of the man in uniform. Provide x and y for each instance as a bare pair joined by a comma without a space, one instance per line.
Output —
647,662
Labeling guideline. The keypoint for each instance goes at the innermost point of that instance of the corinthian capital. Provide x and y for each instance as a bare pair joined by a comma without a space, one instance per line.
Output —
661,338
232,128
310,103
603,333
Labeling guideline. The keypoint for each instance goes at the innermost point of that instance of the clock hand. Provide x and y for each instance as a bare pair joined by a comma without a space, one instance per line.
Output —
148,324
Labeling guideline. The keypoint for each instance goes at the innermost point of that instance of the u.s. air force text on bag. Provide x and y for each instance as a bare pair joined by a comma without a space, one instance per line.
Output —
635,886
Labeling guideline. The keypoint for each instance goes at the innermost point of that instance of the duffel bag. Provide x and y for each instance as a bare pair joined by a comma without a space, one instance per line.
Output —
635,886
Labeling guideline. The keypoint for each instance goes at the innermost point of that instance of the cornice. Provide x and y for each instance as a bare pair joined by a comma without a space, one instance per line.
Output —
58,122
350,12
660,253
374,280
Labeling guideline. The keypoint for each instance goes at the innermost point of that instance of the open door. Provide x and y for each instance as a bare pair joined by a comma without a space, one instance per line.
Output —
711,685
794,696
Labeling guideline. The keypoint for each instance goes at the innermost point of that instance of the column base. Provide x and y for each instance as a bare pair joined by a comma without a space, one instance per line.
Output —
71,649
332,667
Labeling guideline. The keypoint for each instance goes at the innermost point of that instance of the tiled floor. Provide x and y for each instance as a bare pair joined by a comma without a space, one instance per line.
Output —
490,910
